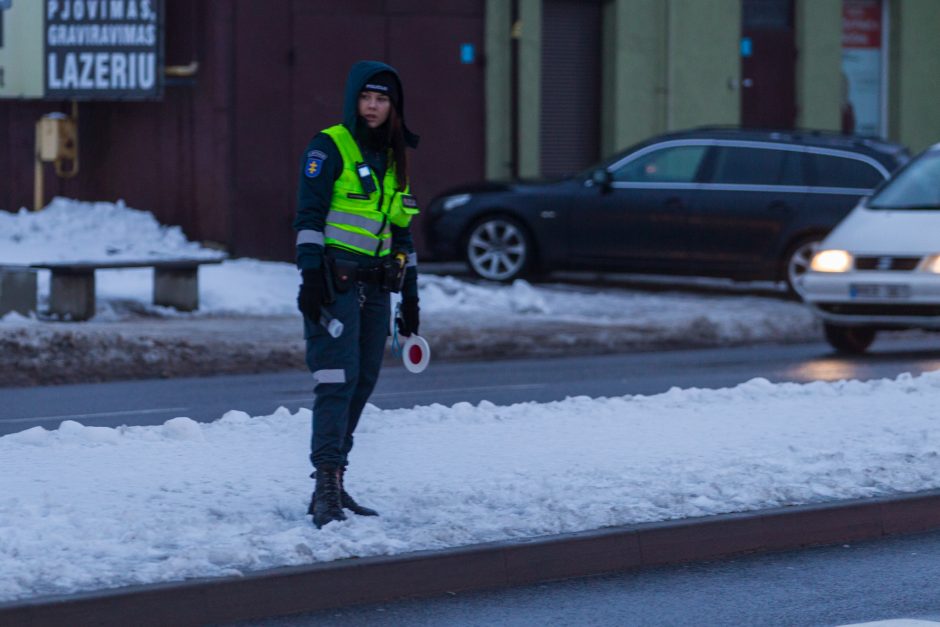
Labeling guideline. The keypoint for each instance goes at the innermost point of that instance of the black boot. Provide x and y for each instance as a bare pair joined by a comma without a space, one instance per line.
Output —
325,503
351,504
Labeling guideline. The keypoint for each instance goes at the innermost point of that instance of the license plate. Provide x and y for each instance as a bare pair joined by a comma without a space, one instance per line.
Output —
880,290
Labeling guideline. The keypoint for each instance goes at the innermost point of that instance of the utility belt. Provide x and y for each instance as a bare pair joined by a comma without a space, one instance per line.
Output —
341,274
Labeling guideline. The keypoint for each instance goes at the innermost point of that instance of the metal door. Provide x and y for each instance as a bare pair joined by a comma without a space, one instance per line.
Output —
768,64
571,86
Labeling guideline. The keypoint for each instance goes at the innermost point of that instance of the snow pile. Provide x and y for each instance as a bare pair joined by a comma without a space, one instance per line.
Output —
91,507
70,230
695,316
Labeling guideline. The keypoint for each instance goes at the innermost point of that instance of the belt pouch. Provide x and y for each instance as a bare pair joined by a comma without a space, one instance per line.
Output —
393,273
344,274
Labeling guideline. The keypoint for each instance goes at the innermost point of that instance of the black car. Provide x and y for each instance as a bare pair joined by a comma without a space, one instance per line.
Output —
739,203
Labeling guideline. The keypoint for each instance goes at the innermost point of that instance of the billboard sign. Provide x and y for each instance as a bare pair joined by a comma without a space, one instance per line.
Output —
81,49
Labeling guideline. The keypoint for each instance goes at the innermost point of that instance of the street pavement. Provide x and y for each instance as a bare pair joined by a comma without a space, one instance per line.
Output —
153,401
188,346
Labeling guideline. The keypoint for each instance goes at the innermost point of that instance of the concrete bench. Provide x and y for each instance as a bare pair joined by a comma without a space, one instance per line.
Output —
72,288
17,290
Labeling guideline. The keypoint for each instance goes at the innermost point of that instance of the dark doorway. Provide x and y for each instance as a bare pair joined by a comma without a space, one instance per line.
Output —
768,64
571,85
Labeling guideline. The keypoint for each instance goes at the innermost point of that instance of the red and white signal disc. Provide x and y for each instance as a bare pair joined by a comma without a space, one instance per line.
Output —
416,354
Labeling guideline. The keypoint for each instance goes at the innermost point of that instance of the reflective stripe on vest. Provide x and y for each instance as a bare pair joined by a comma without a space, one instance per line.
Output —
358,221
360,242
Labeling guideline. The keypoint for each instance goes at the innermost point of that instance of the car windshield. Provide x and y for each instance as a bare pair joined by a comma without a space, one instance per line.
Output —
915,187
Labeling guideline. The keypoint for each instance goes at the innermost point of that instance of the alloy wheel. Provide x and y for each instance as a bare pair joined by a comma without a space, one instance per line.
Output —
798,265
497,250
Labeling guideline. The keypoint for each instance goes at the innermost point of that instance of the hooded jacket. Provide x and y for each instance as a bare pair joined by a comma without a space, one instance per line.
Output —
359,75
315,189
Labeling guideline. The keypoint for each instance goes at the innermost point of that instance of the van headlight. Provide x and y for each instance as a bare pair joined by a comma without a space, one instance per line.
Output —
933,264
452,202
831,261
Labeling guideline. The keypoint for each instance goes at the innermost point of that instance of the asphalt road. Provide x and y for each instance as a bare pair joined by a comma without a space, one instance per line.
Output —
150,402
837,585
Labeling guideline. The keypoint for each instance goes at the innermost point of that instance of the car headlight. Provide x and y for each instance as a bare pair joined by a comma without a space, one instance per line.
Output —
933,264
831,261
452,202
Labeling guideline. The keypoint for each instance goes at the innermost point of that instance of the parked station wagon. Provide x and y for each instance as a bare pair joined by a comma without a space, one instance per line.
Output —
727,202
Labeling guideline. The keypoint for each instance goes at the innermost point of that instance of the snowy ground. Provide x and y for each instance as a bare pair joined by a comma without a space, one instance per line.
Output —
91,507
68,231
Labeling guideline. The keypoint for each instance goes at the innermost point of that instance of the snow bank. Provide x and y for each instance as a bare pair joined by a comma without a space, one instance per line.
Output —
69,230
91,507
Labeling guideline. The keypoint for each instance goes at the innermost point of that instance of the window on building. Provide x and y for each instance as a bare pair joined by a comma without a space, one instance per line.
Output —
767,14
862,67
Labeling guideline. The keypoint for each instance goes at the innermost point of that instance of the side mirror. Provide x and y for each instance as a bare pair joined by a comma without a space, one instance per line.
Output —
602,179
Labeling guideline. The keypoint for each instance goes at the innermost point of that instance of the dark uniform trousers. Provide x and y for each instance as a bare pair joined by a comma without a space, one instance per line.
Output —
345,369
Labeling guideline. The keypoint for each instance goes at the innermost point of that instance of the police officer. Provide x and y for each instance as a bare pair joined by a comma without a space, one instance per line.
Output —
354,246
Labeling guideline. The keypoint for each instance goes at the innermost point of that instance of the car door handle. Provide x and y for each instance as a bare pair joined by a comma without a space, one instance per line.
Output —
780,206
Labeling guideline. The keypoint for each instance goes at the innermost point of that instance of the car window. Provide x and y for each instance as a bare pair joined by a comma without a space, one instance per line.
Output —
915,187
677,164
757,166
831,171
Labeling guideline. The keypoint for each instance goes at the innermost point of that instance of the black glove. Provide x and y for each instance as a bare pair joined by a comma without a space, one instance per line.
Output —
410,318
311,292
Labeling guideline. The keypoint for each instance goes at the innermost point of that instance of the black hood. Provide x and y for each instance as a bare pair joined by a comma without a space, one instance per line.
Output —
359,75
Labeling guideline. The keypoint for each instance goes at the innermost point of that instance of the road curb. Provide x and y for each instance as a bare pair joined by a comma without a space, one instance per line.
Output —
293,590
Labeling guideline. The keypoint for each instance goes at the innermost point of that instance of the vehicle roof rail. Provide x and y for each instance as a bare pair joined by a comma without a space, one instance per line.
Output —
871,141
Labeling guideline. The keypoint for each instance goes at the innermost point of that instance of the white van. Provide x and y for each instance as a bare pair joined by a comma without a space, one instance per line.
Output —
880,267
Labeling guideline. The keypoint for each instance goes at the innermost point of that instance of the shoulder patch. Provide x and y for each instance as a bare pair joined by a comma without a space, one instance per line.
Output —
313,166
317,154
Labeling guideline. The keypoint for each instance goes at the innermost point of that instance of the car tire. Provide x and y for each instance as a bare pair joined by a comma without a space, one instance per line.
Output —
796,264
499,248
850,340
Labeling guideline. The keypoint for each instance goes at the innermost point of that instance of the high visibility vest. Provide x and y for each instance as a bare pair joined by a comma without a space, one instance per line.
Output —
360,221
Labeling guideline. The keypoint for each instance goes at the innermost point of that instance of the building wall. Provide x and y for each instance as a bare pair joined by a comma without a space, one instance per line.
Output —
528,89
219,154
703,62
914,115
636,79
671,64
498,85
819,63
667,64
161,156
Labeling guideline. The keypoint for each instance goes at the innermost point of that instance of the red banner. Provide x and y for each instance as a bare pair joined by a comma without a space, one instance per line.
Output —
861,23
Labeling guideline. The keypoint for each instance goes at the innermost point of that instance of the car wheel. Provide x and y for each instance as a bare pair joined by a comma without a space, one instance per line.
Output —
499,249
851,340
798,259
